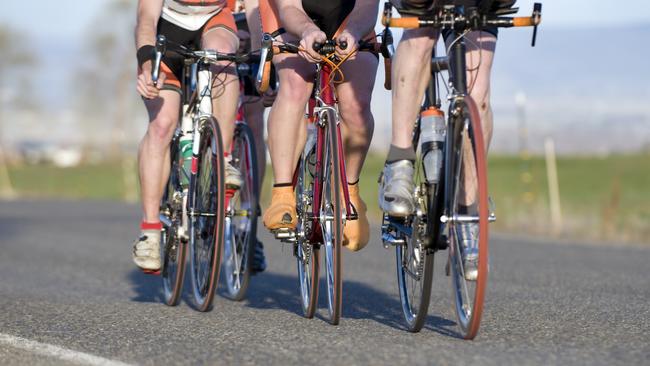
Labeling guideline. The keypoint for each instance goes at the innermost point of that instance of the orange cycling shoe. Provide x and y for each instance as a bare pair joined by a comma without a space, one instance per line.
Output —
356,233
281,214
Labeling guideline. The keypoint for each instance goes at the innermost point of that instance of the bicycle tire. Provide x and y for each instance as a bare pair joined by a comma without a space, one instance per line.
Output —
470,295
331,219
414,259
307,254
207,197
240,228
174,250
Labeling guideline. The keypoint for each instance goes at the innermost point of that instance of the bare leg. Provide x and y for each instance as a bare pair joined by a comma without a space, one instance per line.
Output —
153,153
287,129
354,104
254,110
479,57
225,91
411,73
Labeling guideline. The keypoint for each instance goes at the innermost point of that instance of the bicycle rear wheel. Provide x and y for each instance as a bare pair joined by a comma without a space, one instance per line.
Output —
331,220
241,220
173,249
206,212
469,189
414,263
307,254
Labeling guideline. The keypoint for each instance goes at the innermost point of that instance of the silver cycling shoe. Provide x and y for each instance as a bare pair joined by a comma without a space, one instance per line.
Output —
396,189
467,234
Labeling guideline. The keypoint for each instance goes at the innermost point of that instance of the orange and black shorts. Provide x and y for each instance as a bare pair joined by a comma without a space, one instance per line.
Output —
328,15
172,62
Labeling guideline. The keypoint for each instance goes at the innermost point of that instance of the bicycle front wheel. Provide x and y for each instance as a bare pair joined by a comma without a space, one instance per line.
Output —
241,220
469,218
206,214
173,249
331,220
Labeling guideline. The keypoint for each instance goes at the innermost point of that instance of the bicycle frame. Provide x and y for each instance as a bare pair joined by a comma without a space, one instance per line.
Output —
196,106
324,102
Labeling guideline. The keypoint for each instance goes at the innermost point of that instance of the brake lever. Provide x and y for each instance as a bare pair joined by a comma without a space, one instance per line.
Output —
161,48
387,48
537,14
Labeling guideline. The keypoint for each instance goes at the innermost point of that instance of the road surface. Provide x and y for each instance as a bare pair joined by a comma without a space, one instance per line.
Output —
69,293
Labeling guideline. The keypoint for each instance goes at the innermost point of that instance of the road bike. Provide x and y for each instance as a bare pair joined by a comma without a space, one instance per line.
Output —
320,183
195,199
450,176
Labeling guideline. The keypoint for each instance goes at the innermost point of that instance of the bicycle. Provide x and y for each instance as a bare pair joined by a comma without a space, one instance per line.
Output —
320,183
241,205
193,208
443,169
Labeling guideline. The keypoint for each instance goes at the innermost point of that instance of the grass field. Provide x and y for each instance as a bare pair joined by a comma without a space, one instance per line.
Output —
601,198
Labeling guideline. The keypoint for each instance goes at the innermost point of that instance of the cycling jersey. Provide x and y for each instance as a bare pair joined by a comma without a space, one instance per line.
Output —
191,14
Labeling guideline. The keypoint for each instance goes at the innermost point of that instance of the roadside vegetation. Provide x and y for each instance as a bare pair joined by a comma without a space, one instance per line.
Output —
605,199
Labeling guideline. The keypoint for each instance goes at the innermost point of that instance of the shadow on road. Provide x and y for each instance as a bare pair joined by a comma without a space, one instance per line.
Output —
148,288
278,291
360,301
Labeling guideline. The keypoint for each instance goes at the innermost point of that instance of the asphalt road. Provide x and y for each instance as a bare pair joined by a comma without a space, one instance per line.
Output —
67,282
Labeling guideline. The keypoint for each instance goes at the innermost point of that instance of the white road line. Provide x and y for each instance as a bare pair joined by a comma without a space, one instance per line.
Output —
56,351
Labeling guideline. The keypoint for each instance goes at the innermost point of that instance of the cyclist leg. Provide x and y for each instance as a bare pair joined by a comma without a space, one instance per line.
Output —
153,167
220,34
479,57
357,125
286,136
411,72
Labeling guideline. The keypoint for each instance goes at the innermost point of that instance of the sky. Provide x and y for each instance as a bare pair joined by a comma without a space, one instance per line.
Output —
73,16
65,23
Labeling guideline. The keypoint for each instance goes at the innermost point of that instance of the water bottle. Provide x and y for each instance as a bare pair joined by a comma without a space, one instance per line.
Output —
185,145
432,138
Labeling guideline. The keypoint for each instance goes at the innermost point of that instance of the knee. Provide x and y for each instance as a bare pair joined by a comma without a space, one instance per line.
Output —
161,129
482,99
294,89
356,115
417,44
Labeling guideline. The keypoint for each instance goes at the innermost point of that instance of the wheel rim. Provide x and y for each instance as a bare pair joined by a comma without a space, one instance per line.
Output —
330,215
239,224
205,229
173,251
306,253
469,295
414,276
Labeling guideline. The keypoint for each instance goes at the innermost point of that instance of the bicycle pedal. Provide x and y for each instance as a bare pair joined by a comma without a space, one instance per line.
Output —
150,272
284,234
390,241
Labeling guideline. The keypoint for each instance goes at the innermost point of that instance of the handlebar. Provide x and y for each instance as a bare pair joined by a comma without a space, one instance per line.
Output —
269,49
207,56
453,17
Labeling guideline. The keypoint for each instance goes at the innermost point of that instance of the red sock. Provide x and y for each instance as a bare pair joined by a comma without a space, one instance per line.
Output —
150,225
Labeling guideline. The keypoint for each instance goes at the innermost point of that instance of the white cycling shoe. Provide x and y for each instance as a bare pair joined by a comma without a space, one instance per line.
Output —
146,251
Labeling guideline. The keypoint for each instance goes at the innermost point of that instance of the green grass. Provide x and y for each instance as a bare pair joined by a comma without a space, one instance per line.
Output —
602,198
101,181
